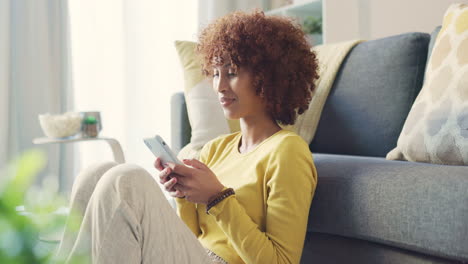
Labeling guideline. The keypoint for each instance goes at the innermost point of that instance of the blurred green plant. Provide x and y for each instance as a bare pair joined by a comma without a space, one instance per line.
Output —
18,233
312,25
20,229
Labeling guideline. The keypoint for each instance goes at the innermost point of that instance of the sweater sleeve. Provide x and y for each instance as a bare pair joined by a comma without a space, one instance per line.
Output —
186,210
291,179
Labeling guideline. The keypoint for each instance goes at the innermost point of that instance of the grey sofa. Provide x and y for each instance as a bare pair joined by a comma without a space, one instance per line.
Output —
367,209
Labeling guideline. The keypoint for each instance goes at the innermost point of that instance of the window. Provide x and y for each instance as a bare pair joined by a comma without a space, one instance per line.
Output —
125,65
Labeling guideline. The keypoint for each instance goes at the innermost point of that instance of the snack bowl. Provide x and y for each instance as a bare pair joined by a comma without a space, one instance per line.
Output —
60,126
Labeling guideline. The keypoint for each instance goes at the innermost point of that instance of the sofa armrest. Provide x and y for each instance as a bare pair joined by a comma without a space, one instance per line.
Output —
180,125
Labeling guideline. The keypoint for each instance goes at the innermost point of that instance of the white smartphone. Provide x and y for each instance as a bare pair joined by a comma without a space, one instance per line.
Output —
161,149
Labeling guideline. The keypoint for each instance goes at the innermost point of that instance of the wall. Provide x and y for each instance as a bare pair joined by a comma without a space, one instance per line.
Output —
208,10
371,19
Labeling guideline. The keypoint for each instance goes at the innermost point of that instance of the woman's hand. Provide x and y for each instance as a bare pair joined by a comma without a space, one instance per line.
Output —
167,179
196,181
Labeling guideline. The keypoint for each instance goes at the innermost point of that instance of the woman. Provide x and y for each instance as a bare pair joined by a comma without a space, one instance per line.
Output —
247,199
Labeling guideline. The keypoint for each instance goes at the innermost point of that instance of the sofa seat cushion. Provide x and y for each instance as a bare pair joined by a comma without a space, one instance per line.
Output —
332,249
417,206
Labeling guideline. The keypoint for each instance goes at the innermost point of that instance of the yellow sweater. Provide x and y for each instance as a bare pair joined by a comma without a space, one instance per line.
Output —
266,221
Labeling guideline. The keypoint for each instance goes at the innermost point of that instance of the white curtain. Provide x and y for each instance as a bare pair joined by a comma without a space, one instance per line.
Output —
34,79
4,78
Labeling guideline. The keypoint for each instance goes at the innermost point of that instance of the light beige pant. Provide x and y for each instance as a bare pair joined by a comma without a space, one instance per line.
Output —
125,219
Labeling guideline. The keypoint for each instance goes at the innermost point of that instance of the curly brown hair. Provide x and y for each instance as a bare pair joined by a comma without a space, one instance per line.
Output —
277,52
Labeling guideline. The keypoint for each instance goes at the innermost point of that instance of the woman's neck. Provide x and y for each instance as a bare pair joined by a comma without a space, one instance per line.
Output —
255,130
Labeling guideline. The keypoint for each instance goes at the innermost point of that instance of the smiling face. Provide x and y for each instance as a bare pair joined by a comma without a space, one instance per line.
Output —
236,92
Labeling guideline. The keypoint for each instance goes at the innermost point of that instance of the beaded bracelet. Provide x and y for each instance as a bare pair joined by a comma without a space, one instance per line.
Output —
219,197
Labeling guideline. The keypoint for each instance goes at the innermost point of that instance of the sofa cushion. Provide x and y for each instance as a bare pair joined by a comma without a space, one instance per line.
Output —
372,95
434,35
436,129
180,125
332,249
417,206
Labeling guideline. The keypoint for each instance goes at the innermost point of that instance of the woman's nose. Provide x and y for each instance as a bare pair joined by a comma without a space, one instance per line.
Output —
221,84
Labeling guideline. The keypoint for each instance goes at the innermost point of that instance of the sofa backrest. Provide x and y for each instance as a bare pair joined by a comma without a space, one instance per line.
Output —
369,101
434,35
372,95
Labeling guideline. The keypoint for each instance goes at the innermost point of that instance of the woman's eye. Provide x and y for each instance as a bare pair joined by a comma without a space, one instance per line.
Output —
229,74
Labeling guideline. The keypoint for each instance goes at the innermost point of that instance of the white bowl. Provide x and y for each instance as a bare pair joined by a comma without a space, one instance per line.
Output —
59,126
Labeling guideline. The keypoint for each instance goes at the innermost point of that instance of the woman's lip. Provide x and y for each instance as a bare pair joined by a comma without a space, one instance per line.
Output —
226,101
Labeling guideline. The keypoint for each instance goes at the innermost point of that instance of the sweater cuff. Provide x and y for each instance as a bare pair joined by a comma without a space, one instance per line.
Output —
180,201
218,208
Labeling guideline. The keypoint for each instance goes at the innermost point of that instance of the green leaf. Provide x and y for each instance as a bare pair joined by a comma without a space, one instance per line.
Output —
27,166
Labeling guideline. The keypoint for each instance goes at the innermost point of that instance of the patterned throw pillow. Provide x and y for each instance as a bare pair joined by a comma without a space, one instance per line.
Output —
436,129
205,114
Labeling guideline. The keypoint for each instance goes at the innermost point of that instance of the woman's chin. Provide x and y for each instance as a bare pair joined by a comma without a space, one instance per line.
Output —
229,115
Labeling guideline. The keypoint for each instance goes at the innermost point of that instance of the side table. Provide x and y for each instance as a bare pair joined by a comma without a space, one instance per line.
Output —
113,143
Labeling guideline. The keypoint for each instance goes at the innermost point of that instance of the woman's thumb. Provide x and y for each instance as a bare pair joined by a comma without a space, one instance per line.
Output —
194,163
